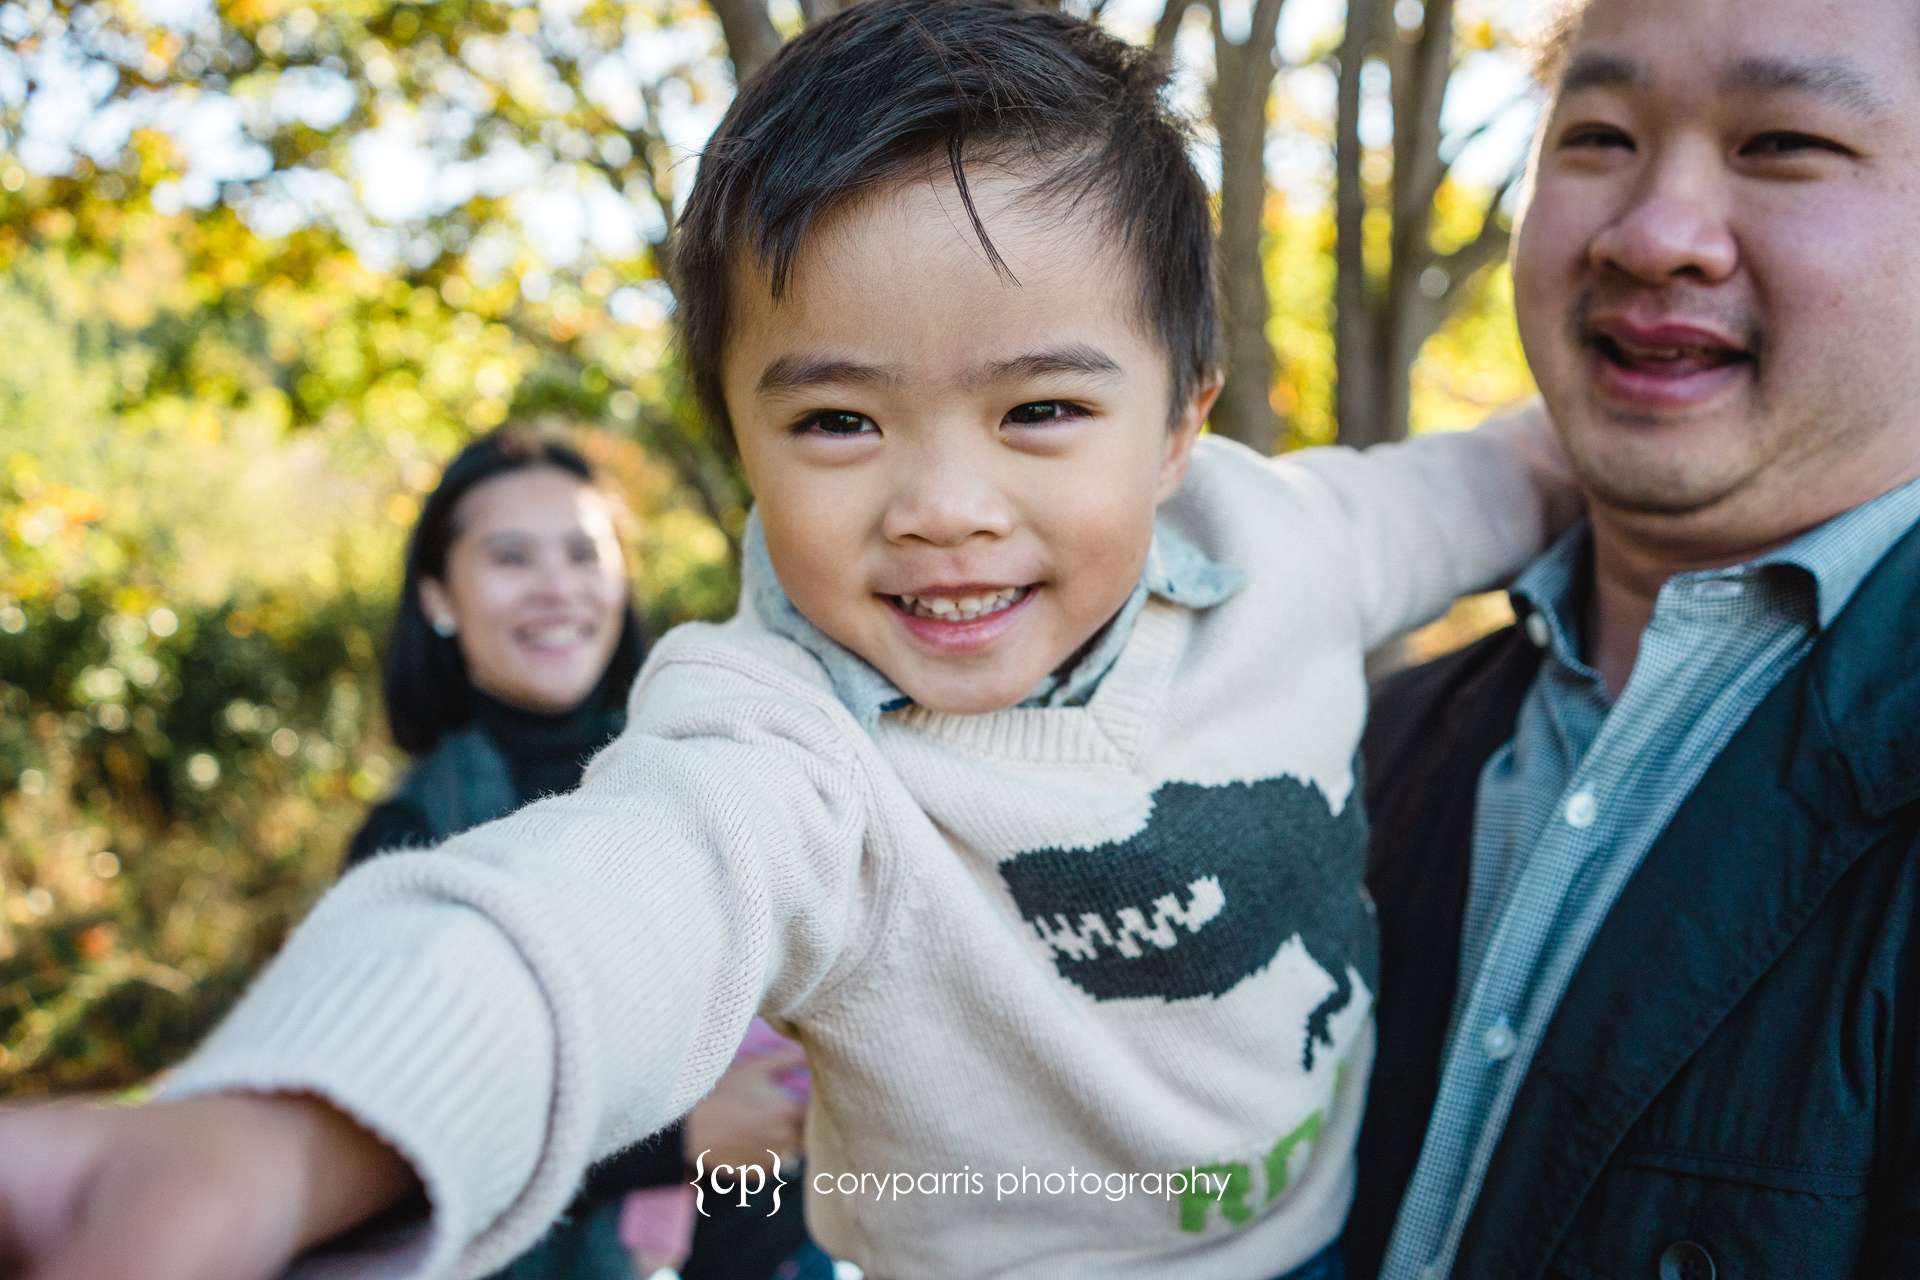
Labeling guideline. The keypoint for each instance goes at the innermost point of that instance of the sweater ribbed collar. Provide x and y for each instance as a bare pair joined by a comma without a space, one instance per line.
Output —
1176,571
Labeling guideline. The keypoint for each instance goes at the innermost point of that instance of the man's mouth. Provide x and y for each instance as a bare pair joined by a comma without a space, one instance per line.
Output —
960,608
1649,364
1671,359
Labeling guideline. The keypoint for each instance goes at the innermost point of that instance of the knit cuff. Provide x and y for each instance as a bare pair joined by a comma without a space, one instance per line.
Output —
437,1040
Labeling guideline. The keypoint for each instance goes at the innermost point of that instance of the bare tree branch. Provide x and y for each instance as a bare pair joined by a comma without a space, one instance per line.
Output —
1456,146
749,33
1487,247
1168,27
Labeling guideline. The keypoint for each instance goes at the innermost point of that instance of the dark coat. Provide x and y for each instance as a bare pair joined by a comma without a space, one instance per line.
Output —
1731,1084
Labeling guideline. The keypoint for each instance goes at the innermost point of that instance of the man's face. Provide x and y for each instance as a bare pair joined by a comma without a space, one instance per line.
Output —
1718,269
957,473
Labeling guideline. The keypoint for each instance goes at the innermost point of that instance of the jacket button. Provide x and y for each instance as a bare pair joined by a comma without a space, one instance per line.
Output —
1686,1261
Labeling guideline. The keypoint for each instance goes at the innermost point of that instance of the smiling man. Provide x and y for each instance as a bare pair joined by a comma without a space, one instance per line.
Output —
1648,863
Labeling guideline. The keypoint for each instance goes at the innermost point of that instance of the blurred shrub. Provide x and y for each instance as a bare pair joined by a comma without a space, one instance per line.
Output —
175,788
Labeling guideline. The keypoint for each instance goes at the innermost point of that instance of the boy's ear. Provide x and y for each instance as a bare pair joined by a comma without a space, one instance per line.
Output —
1186,429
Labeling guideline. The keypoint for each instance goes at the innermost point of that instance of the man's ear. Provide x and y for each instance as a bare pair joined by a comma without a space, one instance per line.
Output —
1186,429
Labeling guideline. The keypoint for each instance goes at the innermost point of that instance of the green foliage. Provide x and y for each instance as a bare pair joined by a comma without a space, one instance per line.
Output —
180,785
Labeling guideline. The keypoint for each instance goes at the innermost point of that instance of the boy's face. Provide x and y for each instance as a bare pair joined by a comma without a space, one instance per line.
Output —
957,473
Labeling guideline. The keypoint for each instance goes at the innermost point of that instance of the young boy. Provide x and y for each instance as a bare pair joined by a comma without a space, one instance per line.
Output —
1024,800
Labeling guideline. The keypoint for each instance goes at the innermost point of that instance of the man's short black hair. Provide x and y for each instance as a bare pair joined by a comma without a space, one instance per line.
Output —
873,94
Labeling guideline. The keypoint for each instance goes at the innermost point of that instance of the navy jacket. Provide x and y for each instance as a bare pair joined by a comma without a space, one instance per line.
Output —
1731,1084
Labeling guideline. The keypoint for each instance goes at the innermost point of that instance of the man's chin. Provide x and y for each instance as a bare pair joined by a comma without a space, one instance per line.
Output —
1672,492
1672,473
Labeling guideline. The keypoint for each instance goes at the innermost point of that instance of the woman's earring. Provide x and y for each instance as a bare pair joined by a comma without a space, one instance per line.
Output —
444,628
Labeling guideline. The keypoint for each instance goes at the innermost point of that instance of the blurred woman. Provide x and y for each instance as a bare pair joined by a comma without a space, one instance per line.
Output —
512,651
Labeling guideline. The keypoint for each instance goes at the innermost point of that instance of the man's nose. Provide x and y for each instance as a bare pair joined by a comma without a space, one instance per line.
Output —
1673,227
945,497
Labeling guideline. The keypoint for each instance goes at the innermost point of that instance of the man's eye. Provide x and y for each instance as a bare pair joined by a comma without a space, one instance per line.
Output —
834,422
1788,143
1040,412
1595,137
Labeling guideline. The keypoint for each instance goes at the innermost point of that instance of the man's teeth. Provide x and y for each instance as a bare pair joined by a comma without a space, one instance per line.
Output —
1675,355
960,608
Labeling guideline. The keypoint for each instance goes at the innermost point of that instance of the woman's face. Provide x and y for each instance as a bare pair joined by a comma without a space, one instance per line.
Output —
536,588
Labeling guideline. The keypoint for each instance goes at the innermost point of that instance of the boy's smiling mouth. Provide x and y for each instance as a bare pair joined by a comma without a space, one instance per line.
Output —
960,606
961,619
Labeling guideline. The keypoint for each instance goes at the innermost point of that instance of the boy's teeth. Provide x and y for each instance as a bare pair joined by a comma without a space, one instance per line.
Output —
960,608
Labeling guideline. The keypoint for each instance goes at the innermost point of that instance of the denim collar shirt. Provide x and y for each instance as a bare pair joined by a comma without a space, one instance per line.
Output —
1176,571
1569,807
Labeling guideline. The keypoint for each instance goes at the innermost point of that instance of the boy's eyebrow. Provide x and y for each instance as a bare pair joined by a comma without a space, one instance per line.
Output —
789,373
1077,357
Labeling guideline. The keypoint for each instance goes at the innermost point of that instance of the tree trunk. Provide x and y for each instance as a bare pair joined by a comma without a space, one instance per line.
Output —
1357,406
749,33
1244,411
1242,89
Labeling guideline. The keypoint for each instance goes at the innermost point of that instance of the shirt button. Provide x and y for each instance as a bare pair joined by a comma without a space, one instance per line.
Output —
1537,630
1722,589
1686,1261
1582,809
1499,1042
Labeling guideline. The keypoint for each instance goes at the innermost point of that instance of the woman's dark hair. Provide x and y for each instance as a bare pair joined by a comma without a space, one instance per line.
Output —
870,95
425,680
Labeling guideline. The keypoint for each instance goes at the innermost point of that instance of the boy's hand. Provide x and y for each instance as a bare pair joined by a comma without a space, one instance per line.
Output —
225,1187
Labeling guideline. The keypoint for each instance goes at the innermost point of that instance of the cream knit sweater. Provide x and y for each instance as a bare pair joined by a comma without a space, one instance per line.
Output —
1020,947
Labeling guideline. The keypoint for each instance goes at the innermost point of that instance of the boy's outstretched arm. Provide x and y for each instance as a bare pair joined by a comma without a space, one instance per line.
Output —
217,1188
1440,516
532,995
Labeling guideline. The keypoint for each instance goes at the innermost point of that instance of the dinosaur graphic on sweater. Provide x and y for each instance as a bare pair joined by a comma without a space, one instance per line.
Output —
1205,895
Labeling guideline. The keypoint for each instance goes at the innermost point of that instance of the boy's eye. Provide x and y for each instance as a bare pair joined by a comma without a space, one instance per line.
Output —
1041,412
836,423
583,552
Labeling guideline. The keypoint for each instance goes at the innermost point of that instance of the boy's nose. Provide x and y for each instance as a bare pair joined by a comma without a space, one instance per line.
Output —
945,509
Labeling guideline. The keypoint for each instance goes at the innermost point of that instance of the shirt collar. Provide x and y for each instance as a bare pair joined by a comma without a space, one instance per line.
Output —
1176,570
1833,558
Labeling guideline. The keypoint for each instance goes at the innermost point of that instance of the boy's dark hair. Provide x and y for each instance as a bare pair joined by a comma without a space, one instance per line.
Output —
871,94
425,683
